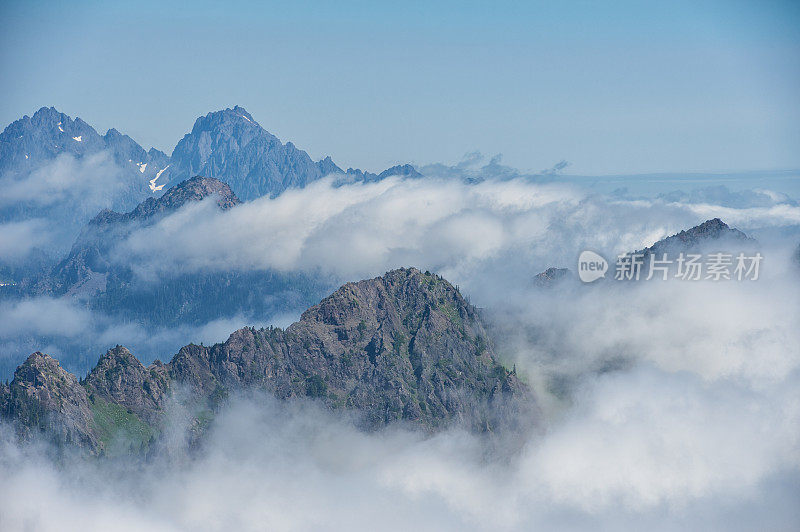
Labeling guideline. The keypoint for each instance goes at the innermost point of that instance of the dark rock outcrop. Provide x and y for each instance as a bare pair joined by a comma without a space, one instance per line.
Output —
45,397
550,277
120,378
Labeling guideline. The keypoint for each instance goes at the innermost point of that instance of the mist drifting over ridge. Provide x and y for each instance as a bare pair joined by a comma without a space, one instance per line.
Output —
673,405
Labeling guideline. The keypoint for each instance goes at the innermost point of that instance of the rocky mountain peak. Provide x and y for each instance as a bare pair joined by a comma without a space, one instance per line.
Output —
402,292
713,230
120,378
230,145
38,369
117,356
226,124
404,170
84,270
42,137
44,396
241,111
550,277
48,118
196,189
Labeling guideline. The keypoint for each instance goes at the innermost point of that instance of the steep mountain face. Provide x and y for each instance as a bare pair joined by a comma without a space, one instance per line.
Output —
45,397
43,136
230,145
119,378
402,347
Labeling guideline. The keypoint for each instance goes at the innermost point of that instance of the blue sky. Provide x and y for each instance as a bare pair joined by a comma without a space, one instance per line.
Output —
612,87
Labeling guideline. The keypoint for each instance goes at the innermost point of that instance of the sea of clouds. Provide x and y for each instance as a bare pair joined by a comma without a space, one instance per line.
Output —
667,405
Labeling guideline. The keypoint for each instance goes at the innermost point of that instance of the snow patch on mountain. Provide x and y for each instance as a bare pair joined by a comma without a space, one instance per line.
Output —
153,186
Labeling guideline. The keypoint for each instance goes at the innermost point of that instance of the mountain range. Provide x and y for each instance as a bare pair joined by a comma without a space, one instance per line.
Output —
403,347
57,173
228,145
91,273
78,192
30,142
231,146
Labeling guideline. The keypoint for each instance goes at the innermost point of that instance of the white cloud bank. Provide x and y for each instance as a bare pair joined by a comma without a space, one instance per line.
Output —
89,183
669,406
460,230
18,239
60,196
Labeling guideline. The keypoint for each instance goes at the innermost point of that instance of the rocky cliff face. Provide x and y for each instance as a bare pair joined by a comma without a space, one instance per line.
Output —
402,347
120,378
230,145
405,346
45,397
